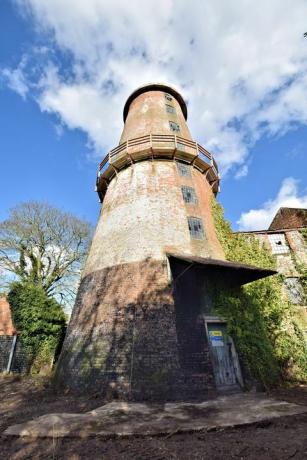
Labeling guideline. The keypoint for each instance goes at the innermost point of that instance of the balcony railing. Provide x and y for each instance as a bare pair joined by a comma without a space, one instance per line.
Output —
163,146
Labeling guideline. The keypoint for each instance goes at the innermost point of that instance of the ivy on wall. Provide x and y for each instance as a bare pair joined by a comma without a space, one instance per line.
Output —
40,320
302,269
259,317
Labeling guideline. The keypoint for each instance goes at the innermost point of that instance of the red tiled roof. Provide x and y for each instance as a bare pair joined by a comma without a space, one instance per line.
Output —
289,218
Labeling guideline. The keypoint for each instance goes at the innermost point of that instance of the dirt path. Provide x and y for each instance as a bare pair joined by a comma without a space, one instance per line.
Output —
21,400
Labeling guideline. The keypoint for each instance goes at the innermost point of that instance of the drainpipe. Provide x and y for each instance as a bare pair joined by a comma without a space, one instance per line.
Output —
11,356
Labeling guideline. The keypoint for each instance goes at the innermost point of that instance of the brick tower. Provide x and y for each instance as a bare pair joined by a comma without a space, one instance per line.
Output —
137,328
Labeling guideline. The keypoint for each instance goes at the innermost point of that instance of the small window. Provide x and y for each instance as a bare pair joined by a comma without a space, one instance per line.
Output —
168,97
196,228
170,108
174,126
278,243
189,194
183,169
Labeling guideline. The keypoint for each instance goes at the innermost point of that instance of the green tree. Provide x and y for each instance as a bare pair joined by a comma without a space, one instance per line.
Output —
40,320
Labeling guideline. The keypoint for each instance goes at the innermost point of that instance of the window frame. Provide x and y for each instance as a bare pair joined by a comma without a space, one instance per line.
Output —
198,234
189,194
278,243
170,109
184,170
175,127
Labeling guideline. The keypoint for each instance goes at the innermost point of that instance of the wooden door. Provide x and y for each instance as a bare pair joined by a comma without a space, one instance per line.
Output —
220,346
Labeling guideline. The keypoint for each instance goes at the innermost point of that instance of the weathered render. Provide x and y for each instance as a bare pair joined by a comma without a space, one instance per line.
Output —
138,328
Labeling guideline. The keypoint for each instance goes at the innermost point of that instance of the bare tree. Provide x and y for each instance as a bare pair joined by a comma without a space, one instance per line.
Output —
44,245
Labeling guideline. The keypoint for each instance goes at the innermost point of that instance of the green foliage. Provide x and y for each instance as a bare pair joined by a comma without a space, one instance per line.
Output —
237,246
258,316
304,234
247,326
40,320
302,269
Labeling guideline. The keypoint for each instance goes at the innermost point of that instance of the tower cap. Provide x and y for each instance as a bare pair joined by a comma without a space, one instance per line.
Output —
156,87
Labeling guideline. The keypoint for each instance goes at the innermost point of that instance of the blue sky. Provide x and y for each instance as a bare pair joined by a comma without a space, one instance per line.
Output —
66,69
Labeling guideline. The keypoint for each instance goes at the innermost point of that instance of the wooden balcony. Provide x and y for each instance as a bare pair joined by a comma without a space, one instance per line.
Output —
156,147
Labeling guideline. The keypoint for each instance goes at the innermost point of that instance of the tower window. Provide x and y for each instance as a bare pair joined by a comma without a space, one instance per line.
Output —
196,228
278,243
189,194
170,108
174,126
183,169
168,97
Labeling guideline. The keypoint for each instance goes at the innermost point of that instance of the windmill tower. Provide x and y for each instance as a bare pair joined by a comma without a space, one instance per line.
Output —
138,328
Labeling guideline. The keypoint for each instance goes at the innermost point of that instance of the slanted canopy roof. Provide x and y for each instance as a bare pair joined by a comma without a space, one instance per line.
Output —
236,273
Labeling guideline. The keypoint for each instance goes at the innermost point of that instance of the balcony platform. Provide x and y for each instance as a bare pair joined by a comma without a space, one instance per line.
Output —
156,147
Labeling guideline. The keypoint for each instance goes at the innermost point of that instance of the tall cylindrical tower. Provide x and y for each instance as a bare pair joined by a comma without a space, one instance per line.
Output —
156,189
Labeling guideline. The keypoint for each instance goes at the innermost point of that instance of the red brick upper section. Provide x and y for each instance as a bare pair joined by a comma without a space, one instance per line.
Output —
155,111
156,87
289,218
6,322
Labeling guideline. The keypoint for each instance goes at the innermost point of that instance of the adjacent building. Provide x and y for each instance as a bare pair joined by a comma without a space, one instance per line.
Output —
286,239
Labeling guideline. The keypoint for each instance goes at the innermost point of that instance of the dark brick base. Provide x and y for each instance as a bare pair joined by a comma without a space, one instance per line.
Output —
122,340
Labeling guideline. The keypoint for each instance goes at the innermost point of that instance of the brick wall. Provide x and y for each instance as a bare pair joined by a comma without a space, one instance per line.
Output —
123,335
296,247
6,322
121,328
286,265
122,339
144,215
147,114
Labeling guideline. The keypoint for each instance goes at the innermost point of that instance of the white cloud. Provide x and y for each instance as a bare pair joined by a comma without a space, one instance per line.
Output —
15,79
288,196
242,172
241,65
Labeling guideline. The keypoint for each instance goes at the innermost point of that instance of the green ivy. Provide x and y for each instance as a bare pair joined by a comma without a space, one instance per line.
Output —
302,269
40,320
303,232
259,317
